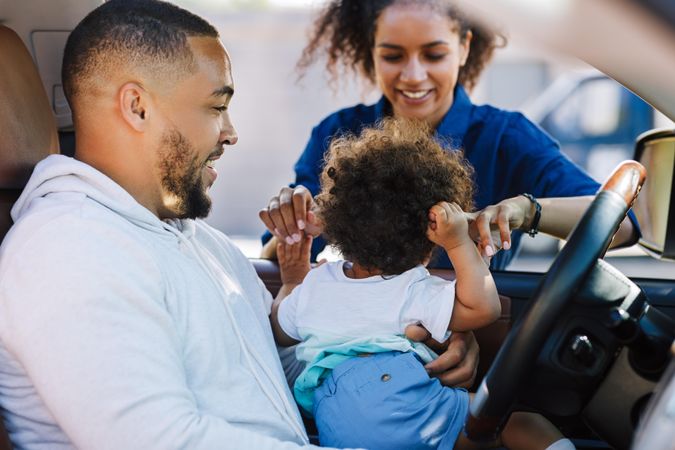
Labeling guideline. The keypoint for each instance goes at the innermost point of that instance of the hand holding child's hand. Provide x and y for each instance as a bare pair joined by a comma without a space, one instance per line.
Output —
294,260
448,225
457,362
290,213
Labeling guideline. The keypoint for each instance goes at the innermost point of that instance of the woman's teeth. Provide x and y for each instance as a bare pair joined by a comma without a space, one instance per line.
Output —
211,163
415,94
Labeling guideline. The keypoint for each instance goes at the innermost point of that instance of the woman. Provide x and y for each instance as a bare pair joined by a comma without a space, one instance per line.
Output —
423,56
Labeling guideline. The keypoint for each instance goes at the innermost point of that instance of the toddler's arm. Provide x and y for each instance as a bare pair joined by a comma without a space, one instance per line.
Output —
294,265
476,300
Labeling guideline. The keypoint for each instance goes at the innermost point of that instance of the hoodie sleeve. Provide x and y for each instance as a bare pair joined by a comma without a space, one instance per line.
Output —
100,347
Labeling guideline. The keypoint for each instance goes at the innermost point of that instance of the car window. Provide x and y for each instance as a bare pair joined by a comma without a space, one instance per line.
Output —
596,123
590,111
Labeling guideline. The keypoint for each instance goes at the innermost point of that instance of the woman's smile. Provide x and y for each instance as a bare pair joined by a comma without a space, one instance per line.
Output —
415,97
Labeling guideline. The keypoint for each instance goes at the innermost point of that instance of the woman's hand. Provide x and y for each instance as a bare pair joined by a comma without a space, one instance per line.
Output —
458,361
491,227
289,215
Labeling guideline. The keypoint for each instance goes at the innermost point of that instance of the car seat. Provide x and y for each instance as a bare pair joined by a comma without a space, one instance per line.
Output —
27,131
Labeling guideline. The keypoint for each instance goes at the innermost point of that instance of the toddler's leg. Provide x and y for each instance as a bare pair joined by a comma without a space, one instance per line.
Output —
531,431
523,431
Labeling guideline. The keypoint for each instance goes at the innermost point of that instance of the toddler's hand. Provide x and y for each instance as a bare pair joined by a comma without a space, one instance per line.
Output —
448,225
294,260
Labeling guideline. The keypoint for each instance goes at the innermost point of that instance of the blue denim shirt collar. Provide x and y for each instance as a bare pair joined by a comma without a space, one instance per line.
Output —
456,121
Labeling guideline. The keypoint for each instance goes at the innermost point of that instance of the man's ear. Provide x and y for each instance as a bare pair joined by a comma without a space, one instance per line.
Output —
134,103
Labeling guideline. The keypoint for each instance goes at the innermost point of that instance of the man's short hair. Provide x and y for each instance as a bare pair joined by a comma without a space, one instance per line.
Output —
149,36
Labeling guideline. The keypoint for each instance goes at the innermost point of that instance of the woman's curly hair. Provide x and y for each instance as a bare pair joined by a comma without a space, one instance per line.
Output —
377,189
345,29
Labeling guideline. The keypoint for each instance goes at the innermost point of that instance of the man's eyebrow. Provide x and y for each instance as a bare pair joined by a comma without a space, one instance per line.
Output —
222,91
396,47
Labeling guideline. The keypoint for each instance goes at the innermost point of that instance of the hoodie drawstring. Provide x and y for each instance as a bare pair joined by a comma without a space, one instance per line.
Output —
250,352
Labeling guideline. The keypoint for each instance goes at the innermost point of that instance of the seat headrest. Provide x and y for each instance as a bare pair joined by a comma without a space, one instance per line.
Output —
27,124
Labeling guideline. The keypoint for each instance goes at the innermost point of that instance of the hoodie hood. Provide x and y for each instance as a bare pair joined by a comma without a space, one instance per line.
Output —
60,174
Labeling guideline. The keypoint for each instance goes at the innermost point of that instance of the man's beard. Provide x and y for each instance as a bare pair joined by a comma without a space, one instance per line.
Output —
181,173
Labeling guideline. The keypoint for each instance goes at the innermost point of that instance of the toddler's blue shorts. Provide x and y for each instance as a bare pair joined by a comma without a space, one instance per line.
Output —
387,401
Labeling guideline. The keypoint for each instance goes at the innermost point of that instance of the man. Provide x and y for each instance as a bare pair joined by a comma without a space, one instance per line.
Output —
125,321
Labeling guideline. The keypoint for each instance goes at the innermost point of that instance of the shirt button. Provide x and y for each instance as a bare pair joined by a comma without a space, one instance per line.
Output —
385,377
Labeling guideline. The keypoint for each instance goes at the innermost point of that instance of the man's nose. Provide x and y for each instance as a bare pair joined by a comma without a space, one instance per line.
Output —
230,138
414,71
228,135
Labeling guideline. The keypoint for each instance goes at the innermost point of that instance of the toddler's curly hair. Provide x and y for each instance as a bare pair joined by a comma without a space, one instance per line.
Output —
377,189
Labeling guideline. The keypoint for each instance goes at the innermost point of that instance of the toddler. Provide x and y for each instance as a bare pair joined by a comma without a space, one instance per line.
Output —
388,197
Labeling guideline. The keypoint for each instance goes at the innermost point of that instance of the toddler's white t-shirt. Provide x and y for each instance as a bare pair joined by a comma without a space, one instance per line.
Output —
331,305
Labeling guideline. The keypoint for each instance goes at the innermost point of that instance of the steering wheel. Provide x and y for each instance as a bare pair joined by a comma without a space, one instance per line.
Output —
588,241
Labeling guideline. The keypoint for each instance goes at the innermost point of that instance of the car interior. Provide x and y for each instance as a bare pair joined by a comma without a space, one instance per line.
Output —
583,344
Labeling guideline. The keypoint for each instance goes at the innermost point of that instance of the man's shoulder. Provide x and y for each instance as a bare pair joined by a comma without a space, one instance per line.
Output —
68,210
73,228
46,219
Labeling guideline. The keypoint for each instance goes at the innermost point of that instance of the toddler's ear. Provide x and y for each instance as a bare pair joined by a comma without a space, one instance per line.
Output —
432,220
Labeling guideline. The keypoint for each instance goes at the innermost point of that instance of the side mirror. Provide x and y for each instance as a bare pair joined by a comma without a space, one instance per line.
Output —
655,206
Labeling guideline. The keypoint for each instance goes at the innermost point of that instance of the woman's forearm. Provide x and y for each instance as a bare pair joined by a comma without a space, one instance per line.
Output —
559,216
